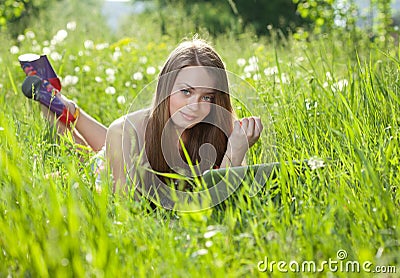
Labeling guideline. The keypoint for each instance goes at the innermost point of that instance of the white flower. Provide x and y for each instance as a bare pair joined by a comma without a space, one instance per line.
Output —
46,50
121,99
20,38
77,69
110,71
70,80
137,76
102,46
1,86
151,70
309,104
88,44
211,233
271,71
35,48
85,68
241,62
30,34
116,55
110,78
55,56
89,258
328,76
251,68
128,84
284,79
315,163
340,85
71,25
14,49
300,59
98,79
60,36
256,76
253,60
200,252
110,90
143,59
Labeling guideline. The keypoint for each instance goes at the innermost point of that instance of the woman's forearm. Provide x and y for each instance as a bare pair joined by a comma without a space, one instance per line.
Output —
232,158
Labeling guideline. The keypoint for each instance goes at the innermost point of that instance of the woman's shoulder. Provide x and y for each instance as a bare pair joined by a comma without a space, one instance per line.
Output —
135,121
134,118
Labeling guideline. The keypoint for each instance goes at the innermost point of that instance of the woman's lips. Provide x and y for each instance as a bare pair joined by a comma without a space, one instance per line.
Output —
188,117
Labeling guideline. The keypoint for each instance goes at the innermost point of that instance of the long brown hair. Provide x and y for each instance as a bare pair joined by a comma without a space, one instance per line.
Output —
194,52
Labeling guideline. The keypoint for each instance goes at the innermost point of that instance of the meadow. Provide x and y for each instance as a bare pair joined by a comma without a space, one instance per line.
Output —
334,97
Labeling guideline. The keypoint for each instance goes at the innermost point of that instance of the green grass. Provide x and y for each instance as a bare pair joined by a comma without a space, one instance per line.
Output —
60,226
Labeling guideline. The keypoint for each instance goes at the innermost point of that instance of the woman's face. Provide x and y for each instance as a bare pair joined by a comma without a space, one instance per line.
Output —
191,98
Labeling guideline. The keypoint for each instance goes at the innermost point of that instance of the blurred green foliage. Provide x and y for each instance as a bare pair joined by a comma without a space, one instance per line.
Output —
342,15
15,15
235,15
384,18
215,16
229,16
262,15
288,16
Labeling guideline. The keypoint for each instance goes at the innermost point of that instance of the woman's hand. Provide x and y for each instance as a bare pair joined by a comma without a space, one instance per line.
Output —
245,134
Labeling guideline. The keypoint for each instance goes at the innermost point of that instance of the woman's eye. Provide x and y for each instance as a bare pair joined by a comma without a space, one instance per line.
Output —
208,98
186,92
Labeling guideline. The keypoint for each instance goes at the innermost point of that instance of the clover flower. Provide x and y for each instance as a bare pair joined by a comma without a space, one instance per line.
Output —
14,49
60,36
88,44
241,62
143,59
137,76
70,80
30,34
340,85
121,99
110,90
151,70
271,71
85,68
55,56
71,25
316,163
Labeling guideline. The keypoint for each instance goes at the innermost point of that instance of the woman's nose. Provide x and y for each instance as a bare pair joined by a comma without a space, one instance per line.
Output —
193,103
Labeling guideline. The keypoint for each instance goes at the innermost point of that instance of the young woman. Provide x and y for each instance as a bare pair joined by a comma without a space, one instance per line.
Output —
190,122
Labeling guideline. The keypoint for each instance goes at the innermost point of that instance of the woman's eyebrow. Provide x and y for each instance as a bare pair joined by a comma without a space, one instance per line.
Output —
188,86
212,91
